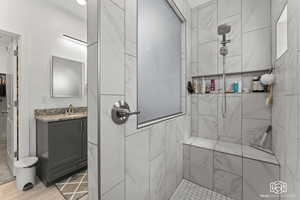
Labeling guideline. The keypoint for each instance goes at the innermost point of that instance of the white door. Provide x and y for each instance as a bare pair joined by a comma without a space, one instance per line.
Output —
11,91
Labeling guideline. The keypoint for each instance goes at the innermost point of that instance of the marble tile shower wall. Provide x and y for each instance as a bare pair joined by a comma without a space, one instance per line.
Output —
286,99
249,50
126,163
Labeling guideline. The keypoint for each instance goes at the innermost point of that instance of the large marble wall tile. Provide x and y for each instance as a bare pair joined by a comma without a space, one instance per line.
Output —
117,193
195,69
93,94
230,126
254,106
292,134
171,157
228,163
131,91
293,186
276,9
257,50
182,126
120,3
157,140
137,166
158,178
207,58
194,44
256,14
179,163
207,23
186,162
228,8
112,49
201,167
257,178
92,21
228,184
208,127
194,18
292,69
194,115
131,26
112,146
93,169
208,105
235,35
253,129
232,64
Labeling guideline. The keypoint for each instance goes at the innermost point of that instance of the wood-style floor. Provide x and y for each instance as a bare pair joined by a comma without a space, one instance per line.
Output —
9,191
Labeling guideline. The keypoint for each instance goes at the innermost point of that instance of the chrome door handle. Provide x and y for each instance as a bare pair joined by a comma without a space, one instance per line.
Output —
121,112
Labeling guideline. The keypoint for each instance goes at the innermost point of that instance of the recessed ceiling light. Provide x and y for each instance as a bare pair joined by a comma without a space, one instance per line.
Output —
81,2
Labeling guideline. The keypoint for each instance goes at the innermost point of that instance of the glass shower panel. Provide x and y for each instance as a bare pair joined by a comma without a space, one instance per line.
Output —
159,60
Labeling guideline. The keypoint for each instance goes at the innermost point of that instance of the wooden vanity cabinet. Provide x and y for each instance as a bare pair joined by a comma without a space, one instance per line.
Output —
61,148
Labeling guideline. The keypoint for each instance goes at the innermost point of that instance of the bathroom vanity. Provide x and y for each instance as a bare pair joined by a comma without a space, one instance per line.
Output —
61,143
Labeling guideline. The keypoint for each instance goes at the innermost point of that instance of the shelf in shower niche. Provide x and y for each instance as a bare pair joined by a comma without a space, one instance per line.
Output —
229,93
232,73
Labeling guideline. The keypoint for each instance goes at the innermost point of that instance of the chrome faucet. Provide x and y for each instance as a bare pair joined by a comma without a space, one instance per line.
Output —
70,109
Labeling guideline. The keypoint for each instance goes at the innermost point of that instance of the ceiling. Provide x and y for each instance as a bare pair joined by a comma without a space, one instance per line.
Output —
72,7
195,3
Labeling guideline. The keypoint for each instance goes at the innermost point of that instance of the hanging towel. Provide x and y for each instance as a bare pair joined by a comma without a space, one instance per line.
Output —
1,88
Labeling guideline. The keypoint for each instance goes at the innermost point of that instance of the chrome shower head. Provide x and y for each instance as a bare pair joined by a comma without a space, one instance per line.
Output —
224,29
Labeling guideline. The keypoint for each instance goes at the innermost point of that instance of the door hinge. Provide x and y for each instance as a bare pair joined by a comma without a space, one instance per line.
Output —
16,52
16,155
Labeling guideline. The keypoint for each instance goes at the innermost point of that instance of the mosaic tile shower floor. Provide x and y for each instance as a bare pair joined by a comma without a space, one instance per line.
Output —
191,191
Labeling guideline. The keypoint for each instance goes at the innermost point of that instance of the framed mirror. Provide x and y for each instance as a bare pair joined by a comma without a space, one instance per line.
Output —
66,78
282,33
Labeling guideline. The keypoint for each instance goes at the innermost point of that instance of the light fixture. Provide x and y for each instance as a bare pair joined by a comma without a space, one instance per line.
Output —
81,2
74,40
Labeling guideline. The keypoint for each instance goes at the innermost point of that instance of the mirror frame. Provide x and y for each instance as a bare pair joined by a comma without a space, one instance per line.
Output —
51,78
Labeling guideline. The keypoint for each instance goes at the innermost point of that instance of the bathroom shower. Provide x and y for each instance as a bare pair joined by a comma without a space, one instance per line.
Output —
223,30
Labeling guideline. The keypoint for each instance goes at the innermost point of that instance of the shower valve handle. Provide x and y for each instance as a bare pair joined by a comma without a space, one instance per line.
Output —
126,112
121,112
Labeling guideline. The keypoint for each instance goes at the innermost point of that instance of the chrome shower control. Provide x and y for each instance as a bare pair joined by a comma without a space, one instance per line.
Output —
121,112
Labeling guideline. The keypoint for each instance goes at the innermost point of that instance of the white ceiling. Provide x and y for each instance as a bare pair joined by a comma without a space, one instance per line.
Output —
72,7
195,3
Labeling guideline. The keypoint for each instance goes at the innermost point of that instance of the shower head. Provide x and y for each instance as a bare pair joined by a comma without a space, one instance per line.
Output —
224,29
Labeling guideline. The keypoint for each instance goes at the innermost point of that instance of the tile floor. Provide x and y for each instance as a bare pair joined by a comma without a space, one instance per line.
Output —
191,191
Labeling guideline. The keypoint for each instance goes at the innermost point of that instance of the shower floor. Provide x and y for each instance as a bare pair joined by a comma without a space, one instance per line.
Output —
191,191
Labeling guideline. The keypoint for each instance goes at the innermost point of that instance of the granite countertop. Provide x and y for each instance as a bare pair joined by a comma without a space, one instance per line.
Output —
61,117
58,114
